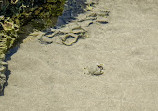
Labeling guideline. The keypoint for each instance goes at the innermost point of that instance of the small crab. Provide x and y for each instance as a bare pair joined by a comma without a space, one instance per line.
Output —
94,69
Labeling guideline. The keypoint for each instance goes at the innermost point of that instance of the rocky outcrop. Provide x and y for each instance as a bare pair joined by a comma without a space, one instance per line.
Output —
68,33
15,15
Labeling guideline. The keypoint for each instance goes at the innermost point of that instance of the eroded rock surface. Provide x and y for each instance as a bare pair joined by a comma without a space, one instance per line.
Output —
70,33
16,14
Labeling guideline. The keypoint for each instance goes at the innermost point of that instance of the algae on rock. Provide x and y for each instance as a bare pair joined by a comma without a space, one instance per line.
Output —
15,15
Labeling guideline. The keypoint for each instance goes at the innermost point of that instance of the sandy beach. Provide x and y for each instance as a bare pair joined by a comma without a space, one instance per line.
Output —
51,77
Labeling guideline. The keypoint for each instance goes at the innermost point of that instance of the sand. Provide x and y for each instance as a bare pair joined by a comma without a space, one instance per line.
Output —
51,77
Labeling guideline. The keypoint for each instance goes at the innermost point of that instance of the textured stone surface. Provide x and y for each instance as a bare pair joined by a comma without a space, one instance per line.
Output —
18,18
70,33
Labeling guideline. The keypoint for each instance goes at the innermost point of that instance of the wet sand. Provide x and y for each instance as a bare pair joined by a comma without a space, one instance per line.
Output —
51,77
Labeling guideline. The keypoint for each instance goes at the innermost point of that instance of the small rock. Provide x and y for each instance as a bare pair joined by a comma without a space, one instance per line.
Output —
3,77
102,20
46,40
2,56
3,63
2,69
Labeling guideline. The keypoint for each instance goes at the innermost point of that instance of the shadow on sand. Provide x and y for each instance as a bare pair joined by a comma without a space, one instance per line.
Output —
71,10
8,72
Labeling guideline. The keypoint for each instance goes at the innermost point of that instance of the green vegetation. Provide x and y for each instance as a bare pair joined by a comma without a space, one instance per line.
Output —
19,13
17,16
